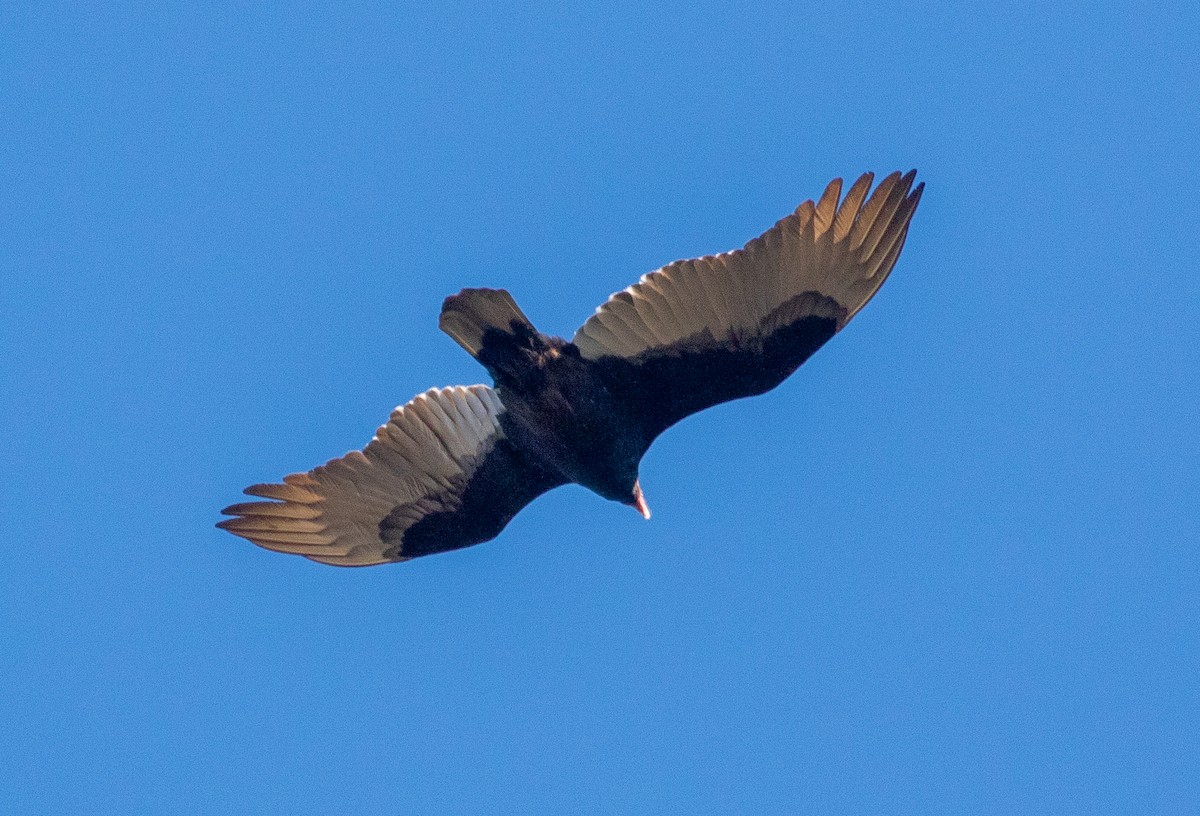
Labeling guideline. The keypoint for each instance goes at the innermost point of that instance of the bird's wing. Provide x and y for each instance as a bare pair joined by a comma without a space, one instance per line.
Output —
703,331
438,476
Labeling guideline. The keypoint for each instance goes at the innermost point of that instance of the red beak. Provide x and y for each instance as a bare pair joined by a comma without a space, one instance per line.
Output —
639,501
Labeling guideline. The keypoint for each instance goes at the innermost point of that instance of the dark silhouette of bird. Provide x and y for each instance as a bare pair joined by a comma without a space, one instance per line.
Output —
453,466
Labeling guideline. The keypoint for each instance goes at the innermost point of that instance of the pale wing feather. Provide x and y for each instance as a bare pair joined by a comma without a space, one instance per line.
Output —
842,251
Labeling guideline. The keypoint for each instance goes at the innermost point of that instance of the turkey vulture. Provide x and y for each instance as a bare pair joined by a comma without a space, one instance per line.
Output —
454,465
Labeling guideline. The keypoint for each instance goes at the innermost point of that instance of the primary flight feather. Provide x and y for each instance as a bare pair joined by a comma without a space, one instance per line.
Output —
453,466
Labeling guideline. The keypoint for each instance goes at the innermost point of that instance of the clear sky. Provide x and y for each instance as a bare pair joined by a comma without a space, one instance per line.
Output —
951,566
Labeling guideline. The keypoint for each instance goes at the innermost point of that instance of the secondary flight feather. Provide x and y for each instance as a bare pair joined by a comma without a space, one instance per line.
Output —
453,466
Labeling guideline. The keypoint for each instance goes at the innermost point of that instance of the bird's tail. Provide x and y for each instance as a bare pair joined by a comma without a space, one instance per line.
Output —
470,314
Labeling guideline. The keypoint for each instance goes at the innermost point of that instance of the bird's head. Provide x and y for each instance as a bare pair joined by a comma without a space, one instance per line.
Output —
619,484
628,489
638,501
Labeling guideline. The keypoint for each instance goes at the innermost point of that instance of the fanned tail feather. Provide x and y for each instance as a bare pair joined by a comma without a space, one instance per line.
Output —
469,314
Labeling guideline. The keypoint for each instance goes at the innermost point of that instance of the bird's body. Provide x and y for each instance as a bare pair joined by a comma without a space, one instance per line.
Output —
558,409
452,467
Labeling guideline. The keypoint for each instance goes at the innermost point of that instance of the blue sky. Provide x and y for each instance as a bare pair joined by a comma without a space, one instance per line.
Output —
951,566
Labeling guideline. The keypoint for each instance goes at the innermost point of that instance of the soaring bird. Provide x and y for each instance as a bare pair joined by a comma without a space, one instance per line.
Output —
453,466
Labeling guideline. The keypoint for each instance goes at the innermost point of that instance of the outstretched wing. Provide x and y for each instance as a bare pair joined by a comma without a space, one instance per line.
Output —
703,331
438,476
